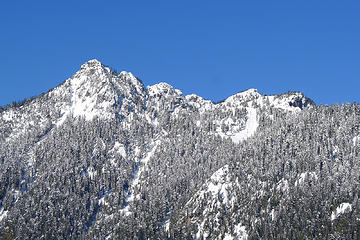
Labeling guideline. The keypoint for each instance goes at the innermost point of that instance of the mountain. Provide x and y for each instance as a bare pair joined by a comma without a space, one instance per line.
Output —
101,156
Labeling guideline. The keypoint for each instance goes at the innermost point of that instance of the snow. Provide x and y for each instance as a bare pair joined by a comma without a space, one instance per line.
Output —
91,173
250,128
283,185
8,115
93,92
237,137
282,102
86,106
119,148
219,185
356,140
335,151
240,232
133,80
161,89
305,175
30,162
154,121
272,214
91,63
84,100
198,123
343,208
136,176
228,237
242,97
143,164
252,99
166,224
3,214
102,201
201,231
199,103
16,195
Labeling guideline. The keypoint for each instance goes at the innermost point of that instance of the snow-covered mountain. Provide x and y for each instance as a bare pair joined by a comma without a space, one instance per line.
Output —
103,156
96,91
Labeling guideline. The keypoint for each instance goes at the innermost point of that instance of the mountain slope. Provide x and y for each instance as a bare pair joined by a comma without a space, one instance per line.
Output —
102,156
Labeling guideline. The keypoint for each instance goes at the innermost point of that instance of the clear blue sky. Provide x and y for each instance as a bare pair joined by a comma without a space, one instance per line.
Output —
210,48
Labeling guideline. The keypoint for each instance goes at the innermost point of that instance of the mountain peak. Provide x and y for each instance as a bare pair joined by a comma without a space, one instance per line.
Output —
244,96
297,100
92,68
93,63
96,91
163,88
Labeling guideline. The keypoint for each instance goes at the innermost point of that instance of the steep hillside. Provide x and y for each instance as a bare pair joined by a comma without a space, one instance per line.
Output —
103,156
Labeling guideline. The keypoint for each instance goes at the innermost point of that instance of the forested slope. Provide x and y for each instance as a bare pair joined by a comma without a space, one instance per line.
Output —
103,156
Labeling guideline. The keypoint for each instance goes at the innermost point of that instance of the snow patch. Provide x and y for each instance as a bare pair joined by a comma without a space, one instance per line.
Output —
102,201
356,140
305,175
199,103
242,97
335,151
93,92
3,214
217,194
8,115
219,183
282,103
240,232
287,102
228,237
119,148
91,173
272,214
166,224
133,80
343,208
198,123
86,105
250,128
142,166
161,89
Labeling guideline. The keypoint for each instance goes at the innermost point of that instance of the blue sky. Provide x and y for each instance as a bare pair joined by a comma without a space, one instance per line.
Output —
202,47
